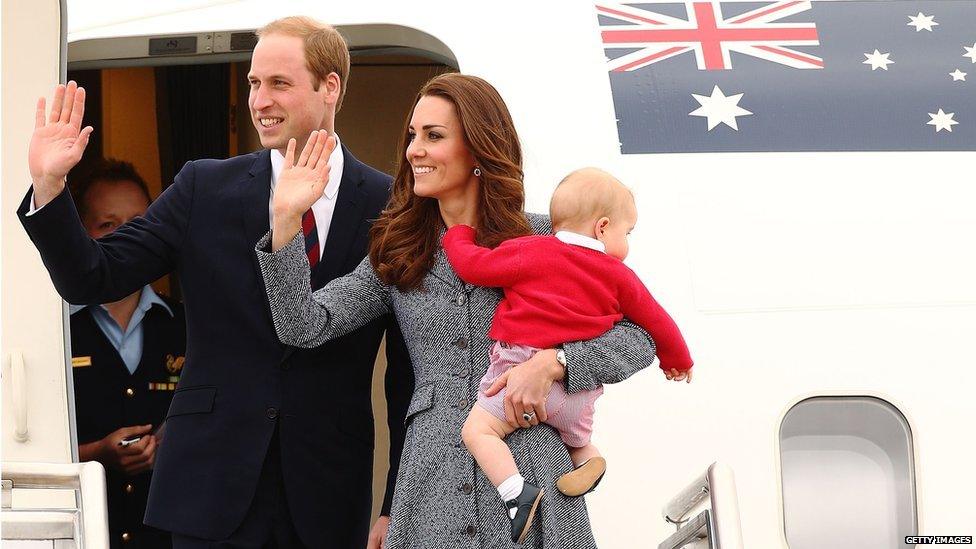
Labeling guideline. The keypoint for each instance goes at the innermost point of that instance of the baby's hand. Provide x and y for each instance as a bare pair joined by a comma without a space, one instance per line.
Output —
675,375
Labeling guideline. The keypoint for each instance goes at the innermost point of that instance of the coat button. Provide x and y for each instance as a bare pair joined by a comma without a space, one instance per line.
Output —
467,488
462,343
126,537
129,488
471,530
462,403
130,392
272,413
463,373
461,299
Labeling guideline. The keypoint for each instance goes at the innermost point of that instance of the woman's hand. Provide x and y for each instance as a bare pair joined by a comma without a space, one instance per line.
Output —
377,534
300,185
528,388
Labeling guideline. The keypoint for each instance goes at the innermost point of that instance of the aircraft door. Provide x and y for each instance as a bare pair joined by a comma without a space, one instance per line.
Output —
36,409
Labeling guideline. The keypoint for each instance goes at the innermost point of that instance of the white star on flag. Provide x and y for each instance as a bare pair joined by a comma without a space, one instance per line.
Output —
942,121
719,108
878,60
922,21
958,75
970,52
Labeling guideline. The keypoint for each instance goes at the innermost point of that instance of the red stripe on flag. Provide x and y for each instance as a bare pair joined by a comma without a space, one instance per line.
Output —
711,41
696,35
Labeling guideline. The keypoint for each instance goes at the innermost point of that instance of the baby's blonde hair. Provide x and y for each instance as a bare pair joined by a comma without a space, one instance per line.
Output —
586,195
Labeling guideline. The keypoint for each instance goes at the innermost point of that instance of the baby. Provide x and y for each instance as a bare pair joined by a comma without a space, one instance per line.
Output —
570,286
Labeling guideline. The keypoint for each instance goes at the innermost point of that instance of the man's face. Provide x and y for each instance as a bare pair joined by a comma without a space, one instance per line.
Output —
109,204
283,101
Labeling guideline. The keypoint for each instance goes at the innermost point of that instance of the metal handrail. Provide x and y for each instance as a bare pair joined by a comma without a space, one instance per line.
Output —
87,479
719,523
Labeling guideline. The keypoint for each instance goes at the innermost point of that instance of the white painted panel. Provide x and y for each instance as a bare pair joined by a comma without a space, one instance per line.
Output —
773,235
32,310
28,544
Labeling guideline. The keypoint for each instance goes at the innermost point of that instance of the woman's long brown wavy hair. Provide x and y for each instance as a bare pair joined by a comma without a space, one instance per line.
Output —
405,237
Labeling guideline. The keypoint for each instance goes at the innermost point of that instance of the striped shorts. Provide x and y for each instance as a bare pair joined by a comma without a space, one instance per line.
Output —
570,414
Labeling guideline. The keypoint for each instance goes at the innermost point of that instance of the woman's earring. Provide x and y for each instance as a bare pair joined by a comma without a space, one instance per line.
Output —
477,172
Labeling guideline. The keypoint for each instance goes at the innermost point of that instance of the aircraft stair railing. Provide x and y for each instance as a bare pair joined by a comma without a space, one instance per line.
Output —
717,525
83,527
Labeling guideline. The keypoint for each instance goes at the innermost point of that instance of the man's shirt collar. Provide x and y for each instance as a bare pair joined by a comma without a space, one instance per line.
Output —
148,298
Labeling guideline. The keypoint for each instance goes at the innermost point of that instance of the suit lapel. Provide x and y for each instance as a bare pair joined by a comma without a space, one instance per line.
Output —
255,198
346,221
254,195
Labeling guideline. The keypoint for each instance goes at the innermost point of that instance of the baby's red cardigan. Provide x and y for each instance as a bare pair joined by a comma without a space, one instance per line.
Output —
557,292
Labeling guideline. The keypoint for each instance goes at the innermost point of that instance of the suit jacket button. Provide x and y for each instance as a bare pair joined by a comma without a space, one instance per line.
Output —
272,413
130,392
126,537
471,530
286,365
129,488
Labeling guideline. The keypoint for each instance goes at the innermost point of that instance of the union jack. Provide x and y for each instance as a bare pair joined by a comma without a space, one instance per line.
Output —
710,35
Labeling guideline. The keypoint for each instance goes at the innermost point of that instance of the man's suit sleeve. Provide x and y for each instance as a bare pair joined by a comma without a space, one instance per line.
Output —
86,271
399,389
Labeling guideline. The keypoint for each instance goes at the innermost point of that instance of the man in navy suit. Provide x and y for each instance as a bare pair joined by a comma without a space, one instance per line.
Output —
265,445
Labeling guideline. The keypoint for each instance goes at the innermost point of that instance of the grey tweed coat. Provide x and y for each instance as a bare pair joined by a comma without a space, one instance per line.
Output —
442,499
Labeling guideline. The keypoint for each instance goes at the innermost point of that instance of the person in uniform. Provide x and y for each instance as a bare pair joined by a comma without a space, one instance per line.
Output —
126,360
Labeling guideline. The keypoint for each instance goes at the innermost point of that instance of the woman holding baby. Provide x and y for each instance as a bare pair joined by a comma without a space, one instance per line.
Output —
461,164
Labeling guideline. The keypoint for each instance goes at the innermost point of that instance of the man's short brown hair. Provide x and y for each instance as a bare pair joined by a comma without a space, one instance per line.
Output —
107,170
326,50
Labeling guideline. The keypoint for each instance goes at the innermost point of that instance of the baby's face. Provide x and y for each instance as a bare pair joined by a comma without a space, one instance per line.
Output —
615,235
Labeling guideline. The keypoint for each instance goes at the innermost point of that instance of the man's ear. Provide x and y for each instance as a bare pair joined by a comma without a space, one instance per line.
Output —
332,87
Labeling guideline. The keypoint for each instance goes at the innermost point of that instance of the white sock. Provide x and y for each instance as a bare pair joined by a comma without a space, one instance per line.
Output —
510,488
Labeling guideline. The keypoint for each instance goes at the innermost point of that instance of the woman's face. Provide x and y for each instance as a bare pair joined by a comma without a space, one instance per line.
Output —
442,164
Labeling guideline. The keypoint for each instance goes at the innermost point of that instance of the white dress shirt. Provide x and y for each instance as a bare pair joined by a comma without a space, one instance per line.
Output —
580,240
324,207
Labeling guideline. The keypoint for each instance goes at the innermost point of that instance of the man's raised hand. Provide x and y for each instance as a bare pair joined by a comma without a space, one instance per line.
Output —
300,184
58,141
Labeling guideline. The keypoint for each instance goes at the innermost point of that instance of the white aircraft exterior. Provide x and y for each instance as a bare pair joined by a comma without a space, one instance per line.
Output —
828,297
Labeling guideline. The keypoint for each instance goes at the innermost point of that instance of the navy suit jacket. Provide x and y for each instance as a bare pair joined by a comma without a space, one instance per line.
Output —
239,381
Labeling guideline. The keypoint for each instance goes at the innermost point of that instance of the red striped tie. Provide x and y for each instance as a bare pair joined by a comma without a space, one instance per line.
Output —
311,233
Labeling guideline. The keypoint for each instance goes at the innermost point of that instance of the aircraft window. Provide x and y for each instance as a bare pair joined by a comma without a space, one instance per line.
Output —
848,475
